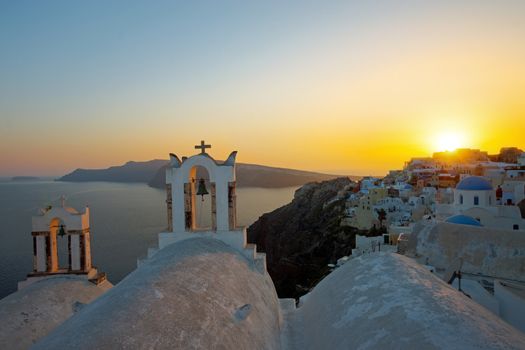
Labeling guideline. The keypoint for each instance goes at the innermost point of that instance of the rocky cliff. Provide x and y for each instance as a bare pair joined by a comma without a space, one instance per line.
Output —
301,238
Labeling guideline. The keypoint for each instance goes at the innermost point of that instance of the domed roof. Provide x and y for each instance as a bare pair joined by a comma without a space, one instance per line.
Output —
195,294
474,183
463,220
377,284
35,310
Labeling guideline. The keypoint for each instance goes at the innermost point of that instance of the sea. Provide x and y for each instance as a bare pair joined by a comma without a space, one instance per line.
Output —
125,220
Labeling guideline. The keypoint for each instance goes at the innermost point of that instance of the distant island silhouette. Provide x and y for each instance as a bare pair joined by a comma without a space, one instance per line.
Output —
153,173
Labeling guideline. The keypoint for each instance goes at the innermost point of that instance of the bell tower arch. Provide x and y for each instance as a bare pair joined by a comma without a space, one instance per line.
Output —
68,225
62,226
183,186
198,187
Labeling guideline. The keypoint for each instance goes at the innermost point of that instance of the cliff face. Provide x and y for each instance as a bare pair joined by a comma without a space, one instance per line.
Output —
302,237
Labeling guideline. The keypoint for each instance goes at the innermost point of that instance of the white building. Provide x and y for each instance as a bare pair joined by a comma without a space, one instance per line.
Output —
474,191
521,159
405,190
491,261
368,183
65,226
390,204
475,197
513,187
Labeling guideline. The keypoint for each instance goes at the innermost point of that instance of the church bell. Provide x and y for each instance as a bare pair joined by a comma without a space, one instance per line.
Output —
202,191
61,231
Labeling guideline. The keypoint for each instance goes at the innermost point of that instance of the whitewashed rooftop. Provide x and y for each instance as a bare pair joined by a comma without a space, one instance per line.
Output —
388,301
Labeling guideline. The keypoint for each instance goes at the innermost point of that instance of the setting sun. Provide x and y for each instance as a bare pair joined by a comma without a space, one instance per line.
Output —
449,141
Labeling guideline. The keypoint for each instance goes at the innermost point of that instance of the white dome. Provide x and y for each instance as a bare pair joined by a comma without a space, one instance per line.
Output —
32,312
198,293
388,301
474,183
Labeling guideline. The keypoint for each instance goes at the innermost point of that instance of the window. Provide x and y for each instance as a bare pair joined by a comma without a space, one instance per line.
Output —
460,199
490,200
515,227
476,200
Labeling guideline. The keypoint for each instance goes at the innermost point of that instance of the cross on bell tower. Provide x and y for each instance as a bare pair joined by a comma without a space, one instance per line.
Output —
202,147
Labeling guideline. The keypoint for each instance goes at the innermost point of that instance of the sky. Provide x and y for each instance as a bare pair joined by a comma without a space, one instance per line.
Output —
346,87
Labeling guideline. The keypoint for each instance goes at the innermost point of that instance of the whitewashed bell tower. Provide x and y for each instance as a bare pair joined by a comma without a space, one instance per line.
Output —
183,186
182,182
69,224
55,225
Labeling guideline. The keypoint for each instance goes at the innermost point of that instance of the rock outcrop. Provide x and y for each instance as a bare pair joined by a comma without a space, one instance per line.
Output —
301,238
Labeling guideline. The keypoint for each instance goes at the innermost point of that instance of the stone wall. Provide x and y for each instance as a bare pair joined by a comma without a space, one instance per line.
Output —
489,251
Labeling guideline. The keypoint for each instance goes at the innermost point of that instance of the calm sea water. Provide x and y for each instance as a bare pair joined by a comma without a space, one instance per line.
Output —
125,220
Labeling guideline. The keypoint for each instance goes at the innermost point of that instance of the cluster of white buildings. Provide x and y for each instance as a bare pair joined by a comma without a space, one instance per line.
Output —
474,189
441,212
383,204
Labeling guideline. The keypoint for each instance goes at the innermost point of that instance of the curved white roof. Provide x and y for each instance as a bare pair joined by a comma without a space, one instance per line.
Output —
461,219
198,293
388,301
32,312
474,183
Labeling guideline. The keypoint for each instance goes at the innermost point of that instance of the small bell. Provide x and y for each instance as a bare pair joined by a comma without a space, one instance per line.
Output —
201,191
61,231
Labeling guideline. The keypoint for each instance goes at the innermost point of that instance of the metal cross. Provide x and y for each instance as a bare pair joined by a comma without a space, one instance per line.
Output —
202,147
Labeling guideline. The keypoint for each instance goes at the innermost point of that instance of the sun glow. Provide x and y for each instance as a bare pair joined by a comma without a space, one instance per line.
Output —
449,141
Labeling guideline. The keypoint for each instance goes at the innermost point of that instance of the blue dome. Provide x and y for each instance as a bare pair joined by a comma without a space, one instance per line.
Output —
408,187
474,183
463,220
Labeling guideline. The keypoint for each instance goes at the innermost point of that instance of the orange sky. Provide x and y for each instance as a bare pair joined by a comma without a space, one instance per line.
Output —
340,88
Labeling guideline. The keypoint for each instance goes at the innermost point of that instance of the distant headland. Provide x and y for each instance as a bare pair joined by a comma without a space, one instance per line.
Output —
153,173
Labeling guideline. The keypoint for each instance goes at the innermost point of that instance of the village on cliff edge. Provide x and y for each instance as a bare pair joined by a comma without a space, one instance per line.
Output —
442,266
